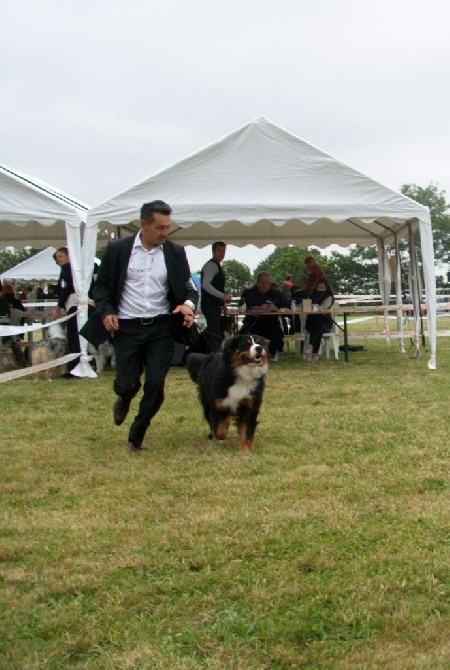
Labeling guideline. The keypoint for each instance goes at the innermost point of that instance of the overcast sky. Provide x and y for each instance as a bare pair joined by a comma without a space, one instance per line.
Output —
99,94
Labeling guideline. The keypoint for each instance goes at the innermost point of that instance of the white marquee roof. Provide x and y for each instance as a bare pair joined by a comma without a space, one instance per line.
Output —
262,185
38,267
32,213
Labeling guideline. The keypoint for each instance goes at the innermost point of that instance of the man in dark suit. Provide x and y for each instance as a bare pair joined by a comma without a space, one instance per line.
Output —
143,285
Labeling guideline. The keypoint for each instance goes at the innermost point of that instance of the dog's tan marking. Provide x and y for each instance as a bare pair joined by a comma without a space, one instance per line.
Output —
222,429
248,402
244,443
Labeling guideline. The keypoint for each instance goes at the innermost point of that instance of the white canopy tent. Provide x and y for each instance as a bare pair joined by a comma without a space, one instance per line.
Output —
262,185
32,213
35,214
39,267
42,266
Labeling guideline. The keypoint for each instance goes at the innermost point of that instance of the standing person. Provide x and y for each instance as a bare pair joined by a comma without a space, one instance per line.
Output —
67,301
288,282
141,283
213,296
315,273
262,299
4,307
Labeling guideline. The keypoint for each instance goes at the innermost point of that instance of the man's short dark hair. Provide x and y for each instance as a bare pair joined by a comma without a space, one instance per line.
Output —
156,206
63,250
218,244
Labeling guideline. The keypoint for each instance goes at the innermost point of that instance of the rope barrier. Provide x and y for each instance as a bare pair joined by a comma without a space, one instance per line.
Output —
6,330
23,372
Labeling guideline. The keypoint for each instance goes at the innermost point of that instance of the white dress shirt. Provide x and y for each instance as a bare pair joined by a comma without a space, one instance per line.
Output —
145,290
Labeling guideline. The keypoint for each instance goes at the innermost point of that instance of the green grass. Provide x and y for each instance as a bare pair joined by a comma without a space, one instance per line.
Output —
326,547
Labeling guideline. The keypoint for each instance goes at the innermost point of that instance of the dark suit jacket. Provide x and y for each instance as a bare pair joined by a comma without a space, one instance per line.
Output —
65,286
111,276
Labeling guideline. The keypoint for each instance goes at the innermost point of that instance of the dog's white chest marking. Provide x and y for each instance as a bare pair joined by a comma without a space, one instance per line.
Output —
241,389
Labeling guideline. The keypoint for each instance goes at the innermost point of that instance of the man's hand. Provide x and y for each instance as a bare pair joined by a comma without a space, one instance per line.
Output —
188,314
270,307
111,323
227,297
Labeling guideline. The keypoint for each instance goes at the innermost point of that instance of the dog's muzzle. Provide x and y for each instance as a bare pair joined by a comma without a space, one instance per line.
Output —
256,355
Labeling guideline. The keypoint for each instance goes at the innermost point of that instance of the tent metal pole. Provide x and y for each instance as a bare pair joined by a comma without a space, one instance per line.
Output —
398,293
418,321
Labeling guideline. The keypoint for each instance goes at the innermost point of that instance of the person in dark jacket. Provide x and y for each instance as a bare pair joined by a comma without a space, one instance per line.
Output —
213,296
317,324
9,302
261,299
143,285
9,297
67,301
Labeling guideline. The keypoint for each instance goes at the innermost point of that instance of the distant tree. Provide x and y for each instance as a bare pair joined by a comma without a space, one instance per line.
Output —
237,274
354,272
434,198
10,257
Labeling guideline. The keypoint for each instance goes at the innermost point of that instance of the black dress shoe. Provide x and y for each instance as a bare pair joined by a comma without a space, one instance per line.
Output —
120,410
135,447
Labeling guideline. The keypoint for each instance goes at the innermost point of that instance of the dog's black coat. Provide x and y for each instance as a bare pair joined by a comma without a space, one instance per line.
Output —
231,383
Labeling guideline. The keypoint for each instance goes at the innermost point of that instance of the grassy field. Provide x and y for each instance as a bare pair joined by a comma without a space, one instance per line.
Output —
326,547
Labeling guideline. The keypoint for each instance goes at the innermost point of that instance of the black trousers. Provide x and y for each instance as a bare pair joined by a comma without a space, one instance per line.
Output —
143,349
268,327
316,327
213,317
73,339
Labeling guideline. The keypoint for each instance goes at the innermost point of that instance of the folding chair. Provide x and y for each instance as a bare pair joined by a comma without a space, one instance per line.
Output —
333,337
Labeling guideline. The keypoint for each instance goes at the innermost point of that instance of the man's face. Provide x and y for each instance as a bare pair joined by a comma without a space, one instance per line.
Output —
263,284
61,258
153,234
219,254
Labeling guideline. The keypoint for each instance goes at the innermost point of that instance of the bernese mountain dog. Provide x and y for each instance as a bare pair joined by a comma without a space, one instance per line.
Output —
231,383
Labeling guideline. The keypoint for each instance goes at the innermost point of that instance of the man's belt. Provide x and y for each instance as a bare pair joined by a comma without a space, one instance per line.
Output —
148,320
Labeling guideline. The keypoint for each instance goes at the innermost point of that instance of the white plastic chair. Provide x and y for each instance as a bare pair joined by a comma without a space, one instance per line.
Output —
332,337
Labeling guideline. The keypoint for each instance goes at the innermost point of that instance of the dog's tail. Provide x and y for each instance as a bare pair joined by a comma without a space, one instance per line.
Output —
194,364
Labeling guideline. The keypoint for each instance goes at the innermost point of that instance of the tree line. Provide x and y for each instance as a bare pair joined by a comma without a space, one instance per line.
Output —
356,271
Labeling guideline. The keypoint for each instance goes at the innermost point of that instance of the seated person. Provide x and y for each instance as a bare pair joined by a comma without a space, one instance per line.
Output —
318,324
262,299
9,296
12,303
